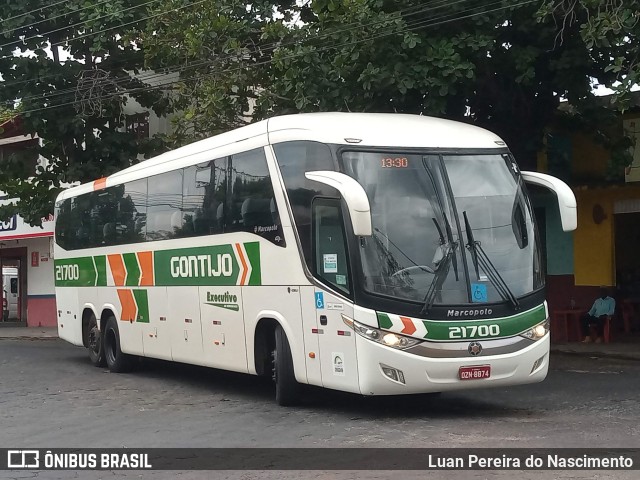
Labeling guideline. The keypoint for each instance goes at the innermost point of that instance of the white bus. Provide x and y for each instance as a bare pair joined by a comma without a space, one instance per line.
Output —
377,254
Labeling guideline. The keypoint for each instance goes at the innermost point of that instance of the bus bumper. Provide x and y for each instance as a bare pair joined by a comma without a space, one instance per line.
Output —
424,375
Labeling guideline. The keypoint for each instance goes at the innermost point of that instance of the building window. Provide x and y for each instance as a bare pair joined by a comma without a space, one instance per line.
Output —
138,125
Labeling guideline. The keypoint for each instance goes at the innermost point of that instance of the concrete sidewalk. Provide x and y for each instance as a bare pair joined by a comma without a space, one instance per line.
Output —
622,350
28,333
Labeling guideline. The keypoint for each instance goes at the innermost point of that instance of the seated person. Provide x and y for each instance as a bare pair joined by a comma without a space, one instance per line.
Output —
593,321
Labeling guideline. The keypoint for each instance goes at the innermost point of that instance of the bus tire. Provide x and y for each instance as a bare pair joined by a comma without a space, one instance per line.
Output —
95,345
117,361
282,369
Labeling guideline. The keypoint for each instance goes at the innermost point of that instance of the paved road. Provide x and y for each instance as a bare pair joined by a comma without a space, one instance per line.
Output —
50,396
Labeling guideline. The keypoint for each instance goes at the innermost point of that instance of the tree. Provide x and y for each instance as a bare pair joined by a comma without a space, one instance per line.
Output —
501,64
611,32
221,51
69,65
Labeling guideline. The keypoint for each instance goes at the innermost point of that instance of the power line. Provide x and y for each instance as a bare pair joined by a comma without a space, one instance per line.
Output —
82,23
273,45
34,10
129,23
29,25
415,26
268,47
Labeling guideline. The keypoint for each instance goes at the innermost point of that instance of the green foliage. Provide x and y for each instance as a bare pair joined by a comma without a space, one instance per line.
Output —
68,67
499,64
610,30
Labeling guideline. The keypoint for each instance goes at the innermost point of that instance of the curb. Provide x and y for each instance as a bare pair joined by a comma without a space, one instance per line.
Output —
31,338
616,355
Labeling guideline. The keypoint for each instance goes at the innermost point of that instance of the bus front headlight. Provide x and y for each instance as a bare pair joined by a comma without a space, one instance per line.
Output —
537,331
383,337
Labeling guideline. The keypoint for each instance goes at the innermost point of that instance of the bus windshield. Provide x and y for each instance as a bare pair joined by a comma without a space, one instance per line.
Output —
447,229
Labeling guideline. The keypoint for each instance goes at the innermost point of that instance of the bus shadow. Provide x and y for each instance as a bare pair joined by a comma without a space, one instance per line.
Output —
249,388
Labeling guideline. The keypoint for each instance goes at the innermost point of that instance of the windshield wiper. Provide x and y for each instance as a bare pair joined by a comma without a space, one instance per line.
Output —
479,257
439,276
449,240
421,267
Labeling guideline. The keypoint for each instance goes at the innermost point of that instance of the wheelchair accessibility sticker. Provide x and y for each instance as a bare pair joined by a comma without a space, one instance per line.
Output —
478,292
319,300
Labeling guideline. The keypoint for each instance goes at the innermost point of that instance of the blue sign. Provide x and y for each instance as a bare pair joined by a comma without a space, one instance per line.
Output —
9,225
319,300
478,292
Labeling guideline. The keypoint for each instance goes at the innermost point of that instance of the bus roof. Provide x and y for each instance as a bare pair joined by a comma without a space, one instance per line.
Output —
361,129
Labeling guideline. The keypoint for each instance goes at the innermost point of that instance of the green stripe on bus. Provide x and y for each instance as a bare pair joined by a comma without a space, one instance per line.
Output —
253,252
384,321
216,265
75,272
142,301
101,270
441,330
132,268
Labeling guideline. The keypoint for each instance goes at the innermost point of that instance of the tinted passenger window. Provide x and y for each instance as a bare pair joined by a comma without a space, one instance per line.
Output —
63,224
131,219
252,205
204,198
164,206
294,159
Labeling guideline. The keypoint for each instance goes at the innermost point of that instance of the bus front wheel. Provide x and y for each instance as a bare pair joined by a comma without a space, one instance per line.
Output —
117,361
94,343
282,370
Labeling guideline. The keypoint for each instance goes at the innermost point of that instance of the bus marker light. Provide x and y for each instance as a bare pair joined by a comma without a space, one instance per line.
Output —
537,364
344,333
319,331
392,373
312,355
217,322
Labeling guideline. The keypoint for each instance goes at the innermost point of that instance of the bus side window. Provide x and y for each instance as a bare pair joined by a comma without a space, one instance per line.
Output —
204,195
330,253
294,160
252,206
164,205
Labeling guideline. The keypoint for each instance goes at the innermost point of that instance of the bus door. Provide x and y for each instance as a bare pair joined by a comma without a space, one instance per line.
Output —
337,345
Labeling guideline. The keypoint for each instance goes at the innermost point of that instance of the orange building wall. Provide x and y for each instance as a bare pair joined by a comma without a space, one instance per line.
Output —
593,252
594,244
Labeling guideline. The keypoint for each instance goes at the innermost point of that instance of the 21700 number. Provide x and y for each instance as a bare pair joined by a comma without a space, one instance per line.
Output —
473,331
67,272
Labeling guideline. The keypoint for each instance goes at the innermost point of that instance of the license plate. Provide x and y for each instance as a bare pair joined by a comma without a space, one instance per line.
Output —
476,372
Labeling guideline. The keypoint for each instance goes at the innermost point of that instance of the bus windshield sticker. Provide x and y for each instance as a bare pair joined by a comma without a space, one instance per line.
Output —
478,292
341,279
330,262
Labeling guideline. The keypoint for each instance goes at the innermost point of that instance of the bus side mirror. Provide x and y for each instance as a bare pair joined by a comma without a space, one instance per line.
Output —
566,198
354,196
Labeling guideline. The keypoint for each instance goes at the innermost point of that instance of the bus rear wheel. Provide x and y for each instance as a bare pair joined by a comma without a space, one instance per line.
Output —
94,343
282,370
117,361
